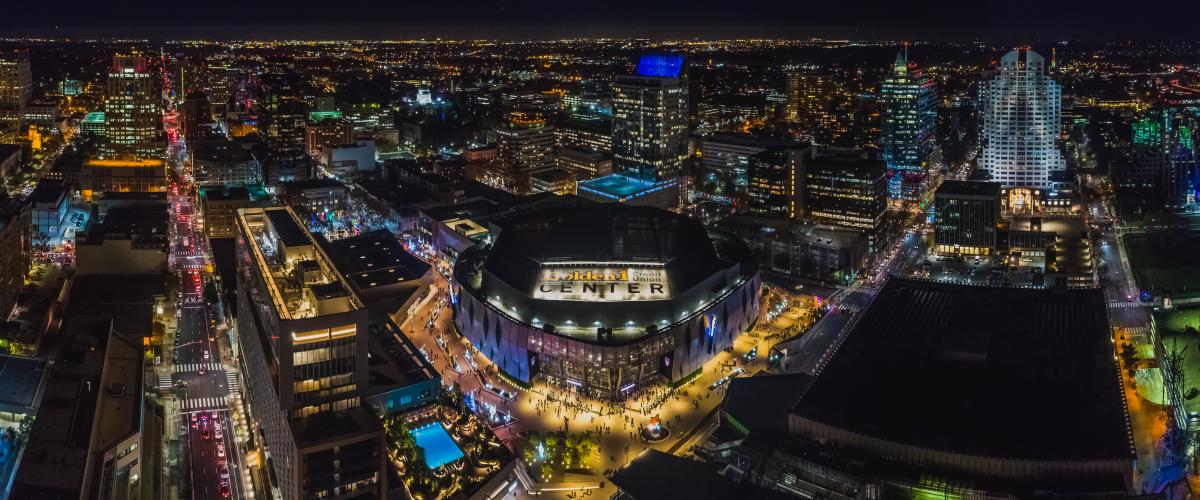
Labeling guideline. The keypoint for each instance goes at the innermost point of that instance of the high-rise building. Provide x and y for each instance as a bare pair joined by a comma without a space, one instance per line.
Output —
965,217
650,118
843,187
283,114
809,95
772,185
1166,161
195,116
908,123
1019,108
524,146
327,132
15,241
304,355
728,154
132,118
16,87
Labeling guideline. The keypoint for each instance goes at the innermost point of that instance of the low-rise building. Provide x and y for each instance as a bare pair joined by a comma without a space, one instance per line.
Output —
222,162
801,249
219,206
127,240
144,176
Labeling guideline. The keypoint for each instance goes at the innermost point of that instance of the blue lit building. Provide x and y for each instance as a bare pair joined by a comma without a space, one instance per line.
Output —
48,208
650,119
908,125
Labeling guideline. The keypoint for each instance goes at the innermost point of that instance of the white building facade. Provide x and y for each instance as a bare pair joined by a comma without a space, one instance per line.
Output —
1020,109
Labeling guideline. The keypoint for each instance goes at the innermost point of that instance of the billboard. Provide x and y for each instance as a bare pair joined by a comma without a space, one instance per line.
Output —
602,284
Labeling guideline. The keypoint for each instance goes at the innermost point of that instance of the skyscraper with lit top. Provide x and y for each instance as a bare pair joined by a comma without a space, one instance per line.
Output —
132,117
1020,106
908,122
650,118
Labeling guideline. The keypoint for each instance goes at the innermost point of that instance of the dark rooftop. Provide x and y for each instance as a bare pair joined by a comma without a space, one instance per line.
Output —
286,227
220,150
300,185
597,232
998,372
969,188
48,191
655,475
373,259
20,380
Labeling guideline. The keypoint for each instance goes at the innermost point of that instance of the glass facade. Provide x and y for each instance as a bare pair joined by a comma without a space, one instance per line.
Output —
908,122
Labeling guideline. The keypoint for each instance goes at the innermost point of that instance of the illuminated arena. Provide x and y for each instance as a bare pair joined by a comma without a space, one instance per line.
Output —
604,298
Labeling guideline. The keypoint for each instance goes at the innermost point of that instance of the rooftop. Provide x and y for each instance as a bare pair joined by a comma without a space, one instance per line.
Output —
21,380
115,163
374,259
298,275
969,188
655,474
48,192
934,364
621,187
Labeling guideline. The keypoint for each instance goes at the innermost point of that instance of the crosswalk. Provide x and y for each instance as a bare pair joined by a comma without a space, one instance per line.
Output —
1123,305
209,403
231,381
164,381
195,367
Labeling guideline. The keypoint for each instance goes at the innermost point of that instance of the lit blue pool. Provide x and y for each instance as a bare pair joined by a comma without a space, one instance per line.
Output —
439,448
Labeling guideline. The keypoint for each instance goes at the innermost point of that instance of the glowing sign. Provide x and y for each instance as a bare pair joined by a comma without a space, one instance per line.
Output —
664,65
602,284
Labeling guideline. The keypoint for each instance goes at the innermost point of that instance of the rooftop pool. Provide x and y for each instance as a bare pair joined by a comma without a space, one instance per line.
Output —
439,448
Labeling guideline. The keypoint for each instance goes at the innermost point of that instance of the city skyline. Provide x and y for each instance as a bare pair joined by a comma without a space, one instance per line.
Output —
868,266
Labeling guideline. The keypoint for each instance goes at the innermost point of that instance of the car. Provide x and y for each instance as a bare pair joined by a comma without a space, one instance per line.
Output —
220,434
201,370
225,490
223,468
195,417
215,415
205,435
221,450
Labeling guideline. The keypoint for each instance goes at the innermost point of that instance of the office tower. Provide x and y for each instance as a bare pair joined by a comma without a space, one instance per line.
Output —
195,116
524,146
650,118
965,216
283,114
772,185
16,87
843,187
284,129
221,162
132,118
1020,108
1166,162
809,96
728,154
304,354
332,131
593,135
15,240
908,122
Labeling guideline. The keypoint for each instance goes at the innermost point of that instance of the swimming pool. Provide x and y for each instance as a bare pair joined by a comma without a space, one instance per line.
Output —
439,448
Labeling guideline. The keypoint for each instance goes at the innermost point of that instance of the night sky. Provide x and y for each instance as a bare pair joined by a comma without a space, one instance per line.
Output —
545,19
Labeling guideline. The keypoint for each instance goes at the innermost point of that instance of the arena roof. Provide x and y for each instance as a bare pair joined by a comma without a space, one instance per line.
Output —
998,372
603,233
